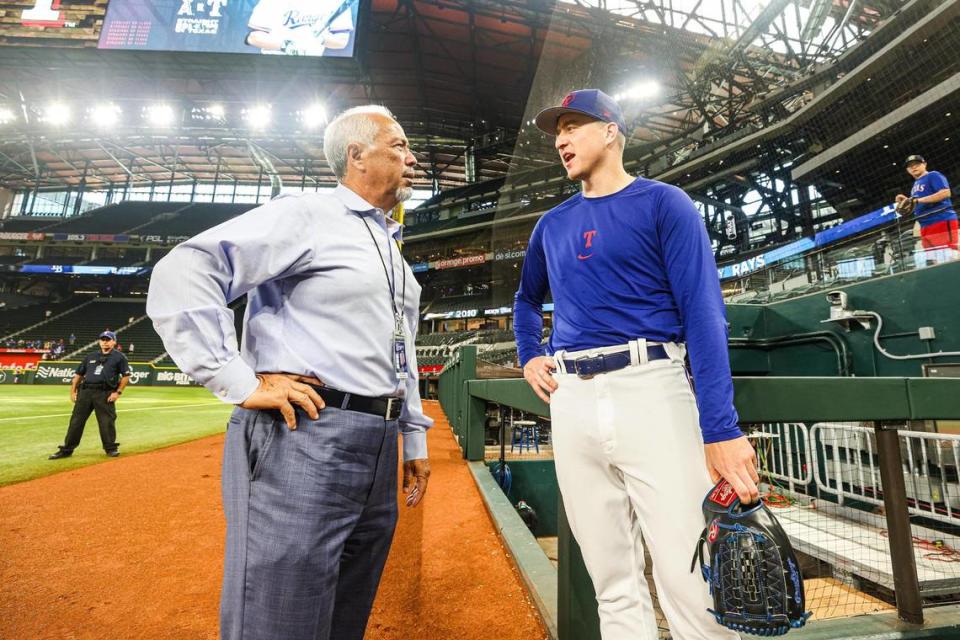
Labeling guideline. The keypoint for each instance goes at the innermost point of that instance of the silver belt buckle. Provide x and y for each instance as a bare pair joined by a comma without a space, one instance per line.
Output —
586,376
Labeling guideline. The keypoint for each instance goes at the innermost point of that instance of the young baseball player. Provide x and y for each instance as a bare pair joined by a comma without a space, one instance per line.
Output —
634,284
933,208
299,27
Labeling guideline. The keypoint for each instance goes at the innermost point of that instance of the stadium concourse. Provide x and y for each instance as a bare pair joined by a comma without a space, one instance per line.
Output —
816,139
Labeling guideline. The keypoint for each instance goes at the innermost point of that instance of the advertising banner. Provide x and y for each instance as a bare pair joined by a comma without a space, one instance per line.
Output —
11,358
430,369
857,225
509,254
16,235
172,378
324,28
141,375
55,372
84,270
16,376
465,261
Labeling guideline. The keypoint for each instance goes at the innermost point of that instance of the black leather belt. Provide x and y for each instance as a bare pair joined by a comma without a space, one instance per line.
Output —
94,385
588,366
385,407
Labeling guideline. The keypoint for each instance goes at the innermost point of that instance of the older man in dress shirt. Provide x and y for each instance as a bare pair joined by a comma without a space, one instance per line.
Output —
332,309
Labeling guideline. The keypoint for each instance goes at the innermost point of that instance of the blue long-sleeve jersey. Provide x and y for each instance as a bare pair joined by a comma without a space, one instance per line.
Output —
633,264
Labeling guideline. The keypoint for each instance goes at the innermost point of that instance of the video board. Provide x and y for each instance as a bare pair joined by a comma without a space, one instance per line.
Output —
318,28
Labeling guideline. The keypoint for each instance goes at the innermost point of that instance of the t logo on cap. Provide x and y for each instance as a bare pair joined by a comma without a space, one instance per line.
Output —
590,102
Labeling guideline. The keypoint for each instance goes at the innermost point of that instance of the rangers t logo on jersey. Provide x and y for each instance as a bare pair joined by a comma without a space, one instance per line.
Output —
588,239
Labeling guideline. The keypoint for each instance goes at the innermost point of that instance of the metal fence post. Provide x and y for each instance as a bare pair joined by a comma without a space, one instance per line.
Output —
905,582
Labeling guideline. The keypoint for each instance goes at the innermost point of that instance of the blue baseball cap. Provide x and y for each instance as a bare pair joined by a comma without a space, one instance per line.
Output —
109,334
590,102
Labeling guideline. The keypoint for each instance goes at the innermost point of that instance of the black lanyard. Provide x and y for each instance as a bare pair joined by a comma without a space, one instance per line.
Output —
390,275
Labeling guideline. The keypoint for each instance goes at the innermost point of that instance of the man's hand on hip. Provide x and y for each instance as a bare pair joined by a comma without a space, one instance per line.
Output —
537,374
416,474
281,391
736,462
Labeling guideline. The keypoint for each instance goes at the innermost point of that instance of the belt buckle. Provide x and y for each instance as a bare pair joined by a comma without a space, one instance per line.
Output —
391,403
588,374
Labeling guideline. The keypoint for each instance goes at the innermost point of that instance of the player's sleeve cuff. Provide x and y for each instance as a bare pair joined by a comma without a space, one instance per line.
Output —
730,433
234,383
414,445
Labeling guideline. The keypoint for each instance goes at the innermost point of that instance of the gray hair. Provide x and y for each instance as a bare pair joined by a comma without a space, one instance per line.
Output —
352,126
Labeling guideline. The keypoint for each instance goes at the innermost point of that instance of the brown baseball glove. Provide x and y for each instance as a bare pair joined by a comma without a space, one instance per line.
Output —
906,206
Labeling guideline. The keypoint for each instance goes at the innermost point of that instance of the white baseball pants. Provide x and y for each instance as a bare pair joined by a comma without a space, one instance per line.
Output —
630,465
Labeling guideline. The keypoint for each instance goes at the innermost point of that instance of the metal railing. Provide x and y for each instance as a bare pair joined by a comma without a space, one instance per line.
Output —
841,460
850,469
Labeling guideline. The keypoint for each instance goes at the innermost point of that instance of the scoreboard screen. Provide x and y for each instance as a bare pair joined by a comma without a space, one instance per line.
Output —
324,28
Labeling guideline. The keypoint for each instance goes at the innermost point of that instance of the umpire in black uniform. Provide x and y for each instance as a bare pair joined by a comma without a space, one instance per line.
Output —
101,378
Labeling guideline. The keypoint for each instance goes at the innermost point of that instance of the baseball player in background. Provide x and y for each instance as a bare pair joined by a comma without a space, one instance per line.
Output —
634,282
300,27
932,206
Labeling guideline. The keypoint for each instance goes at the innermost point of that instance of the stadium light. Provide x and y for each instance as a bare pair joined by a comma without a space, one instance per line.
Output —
216,111
257,117
160,115
105,115
6,115
314,116
57,114
640,91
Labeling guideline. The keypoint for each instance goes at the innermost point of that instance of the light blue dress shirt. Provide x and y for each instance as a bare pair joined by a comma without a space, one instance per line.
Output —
318,302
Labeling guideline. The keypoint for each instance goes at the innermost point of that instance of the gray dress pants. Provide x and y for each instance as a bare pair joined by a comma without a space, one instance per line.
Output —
310,517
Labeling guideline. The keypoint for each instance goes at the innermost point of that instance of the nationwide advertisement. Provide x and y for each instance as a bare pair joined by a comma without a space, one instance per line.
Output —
324,28
55,372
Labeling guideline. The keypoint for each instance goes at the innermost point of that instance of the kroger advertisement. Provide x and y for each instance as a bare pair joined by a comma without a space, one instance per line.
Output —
318,28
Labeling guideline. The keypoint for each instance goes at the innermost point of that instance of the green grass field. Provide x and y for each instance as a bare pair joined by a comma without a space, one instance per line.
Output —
34,418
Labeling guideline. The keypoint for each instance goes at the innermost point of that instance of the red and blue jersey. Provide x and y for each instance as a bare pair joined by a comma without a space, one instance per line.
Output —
926,185
633,264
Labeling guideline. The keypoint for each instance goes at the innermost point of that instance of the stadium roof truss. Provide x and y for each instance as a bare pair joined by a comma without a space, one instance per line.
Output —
457,73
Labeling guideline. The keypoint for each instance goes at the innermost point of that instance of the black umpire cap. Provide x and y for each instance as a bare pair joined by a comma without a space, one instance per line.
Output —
913,159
